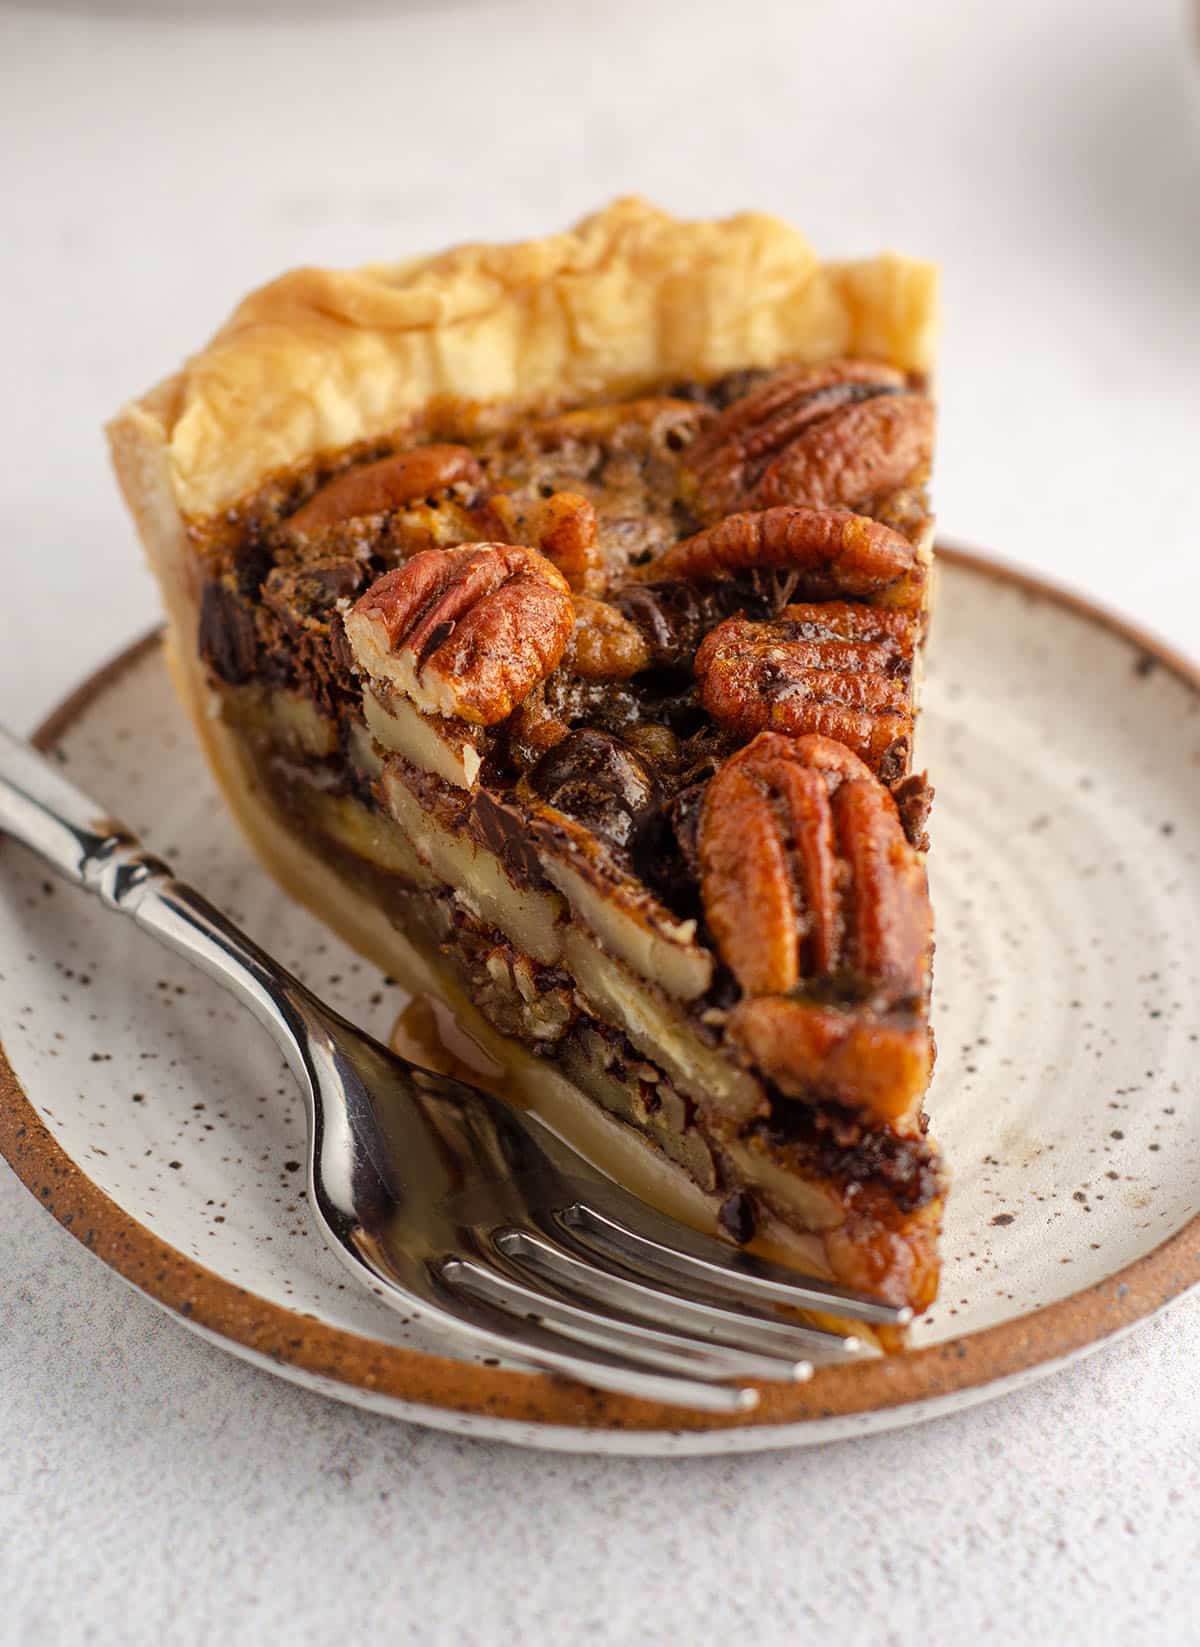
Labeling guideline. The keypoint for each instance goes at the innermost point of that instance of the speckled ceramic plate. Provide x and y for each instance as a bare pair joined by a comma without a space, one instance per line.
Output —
159,1126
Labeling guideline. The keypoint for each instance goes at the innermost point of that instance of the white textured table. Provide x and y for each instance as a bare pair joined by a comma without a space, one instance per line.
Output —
153,1490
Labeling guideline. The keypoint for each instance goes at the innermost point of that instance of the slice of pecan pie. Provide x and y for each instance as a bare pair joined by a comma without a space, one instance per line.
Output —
551,615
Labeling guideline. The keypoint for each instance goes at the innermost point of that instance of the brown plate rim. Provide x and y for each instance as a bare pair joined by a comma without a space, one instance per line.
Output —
390,1372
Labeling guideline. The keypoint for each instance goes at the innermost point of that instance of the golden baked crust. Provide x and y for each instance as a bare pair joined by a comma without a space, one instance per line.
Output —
320,359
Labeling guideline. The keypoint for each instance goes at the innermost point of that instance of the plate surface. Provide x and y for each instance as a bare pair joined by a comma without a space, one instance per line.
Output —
155,1120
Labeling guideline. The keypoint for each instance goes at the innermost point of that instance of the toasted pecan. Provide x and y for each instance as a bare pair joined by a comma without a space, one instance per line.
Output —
835,668
729,457
605,645
389,483
562,527
807,876
822,914
831,551
866,450
885,897
875,1063
467,631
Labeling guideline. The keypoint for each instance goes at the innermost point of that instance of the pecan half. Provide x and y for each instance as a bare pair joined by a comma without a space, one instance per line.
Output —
730,456
806,874
390,483
838,669
467,631
562,526
880,1064
866,450
885,897
831,551
605,645
767,870
819,907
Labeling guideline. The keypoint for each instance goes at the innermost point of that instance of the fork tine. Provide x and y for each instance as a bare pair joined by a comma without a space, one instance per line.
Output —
740,1327
538,1347
546,1352
481,1325
639,1238
652,1347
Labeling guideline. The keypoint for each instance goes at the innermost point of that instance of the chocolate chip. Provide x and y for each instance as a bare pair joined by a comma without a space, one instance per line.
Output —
724,991
339,647
666,854
735,385
313,590
830,1141
697,393
683,813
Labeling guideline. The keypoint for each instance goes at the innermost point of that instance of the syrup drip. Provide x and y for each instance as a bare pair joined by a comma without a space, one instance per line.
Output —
427,1033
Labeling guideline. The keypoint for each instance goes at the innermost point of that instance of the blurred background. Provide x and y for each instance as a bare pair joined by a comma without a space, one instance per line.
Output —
161,160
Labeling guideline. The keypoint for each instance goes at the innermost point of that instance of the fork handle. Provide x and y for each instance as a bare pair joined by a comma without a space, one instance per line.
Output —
75,836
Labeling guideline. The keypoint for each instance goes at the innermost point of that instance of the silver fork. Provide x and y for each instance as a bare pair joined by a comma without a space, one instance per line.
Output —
445,1200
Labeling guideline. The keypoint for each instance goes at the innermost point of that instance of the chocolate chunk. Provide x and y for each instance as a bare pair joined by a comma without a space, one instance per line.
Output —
734,385
913,798
683,815
303,641
673,618
665,853
507,834
738,1216
227,638
607,705
690,390
253,566
597,779
339,646
724,992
